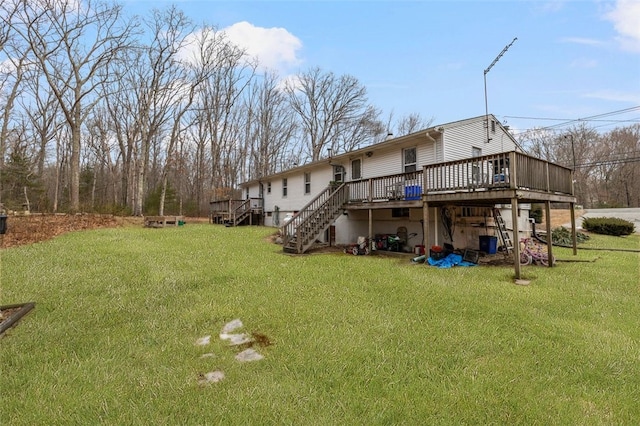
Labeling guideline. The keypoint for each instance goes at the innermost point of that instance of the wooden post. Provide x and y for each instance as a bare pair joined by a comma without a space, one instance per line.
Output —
425,223
574,234
370,230
547,212
516,237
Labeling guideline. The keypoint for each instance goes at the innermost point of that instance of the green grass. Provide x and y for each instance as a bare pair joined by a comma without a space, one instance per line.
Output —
356,340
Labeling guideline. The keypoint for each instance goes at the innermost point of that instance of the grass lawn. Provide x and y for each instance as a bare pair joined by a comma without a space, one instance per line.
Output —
355,339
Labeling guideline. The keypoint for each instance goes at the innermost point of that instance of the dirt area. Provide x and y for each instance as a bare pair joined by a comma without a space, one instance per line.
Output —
33,228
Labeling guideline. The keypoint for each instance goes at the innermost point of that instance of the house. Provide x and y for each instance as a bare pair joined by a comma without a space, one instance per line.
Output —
451,183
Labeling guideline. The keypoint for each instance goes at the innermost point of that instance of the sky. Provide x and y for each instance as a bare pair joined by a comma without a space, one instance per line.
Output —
571,60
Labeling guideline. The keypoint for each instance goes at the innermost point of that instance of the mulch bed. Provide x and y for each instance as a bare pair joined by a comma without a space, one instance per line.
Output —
11,314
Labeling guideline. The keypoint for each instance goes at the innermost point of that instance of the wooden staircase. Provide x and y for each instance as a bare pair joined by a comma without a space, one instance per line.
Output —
241,213
502,232
301,232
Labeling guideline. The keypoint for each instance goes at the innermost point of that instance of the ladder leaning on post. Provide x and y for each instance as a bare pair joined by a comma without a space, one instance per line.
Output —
502,231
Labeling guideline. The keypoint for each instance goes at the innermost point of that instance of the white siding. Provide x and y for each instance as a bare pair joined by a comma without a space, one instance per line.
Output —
296,198
459,138
455,142
390,162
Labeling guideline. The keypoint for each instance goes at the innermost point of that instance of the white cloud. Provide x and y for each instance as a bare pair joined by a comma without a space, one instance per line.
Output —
626,20
275,48
617,96
581,40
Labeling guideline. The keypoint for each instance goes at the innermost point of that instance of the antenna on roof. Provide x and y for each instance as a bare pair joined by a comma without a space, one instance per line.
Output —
486,104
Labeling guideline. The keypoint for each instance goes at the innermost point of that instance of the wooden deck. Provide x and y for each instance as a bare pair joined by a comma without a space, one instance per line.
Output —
486,180
232,212
507,178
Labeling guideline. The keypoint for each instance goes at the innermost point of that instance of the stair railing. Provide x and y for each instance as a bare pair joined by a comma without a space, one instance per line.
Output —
306,225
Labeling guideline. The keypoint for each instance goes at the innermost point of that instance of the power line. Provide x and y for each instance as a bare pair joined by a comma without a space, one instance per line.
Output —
609,162
566,122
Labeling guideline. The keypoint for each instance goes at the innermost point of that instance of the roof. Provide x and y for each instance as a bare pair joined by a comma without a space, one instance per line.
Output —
389,143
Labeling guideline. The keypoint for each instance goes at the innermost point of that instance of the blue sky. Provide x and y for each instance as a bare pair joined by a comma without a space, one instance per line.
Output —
571,60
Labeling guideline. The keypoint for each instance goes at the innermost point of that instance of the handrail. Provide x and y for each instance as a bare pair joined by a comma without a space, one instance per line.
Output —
241,210
323,207
505,170
401,186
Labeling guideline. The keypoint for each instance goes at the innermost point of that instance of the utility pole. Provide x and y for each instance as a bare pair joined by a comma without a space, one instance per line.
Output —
486,103
573,150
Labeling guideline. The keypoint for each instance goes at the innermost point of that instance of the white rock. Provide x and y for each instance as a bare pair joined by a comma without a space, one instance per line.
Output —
211,377
231,325
249,355
203,341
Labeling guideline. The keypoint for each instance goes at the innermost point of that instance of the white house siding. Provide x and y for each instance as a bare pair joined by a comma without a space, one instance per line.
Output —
296,198
390,162
460,138
456,142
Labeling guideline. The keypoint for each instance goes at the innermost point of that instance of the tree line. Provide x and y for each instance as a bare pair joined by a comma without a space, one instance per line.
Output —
606,164
103,112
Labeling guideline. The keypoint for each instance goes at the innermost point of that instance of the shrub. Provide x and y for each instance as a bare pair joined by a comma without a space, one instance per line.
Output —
608,226
562,236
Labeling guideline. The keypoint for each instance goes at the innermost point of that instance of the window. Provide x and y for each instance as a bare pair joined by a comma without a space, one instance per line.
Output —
338,174
356,169
493,126
307,183
410,158
268,187
400,212
284,187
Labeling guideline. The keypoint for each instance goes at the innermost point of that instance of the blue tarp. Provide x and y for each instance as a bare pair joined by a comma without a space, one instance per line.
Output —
449,261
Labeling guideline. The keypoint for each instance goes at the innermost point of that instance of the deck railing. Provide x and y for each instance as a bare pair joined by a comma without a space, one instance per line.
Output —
504,170
224,206
403,186
533,173
314,216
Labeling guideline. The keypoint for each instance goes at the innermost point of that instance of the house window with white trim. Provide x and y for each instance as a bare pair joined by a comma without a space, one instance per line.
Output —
356,169
338,173
268,187
410,160
284,187
307,183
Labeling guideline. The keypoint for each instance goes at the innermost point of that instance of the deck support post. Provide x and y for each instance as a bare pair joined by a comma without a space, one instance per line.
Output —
516,237
370,231
425,223
547,212
574,234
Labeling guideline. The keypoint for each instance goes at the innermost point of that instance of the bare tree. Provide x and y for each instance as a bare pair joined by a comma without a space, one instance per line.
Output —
326,105
147,91
412,123
220,107
271,127
615,162
12,73
73,43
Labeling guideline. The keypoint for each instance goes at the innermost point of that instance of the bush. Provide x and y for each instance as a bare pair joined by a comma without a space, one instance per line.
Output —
608,226
562,236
